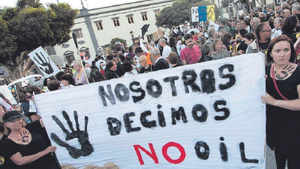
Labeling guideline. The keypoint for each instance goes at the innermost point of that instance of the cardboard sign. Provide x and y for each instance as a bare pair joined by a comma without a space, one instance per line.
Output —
43,62
205,115
6,92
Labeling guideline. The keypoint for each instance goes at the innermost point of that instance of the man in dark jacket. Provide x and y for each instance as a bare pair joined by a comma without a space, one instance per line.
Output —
159,62
111,68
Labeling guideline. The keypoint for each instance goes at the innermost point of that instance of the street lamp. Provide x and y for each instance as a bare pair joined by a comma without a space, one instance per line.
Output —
132,36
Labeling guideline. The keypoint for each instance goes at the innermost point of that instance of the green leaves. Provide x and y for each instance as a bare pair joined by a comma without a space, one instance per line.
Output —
30,25
178,13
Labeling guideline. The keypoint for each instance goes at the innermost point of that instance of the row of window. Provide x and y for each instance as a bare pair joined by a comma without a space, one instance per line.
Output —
116,22
130,20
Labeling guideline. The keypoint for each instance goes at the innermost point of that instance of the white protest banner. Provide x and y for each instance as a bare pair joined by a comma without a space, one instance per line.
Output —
43,62
206,115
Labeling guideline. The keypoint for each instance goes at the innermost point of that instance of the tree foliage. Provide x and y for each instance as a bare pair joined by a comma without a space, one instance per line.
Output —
225,3
30,25
115,44
179,12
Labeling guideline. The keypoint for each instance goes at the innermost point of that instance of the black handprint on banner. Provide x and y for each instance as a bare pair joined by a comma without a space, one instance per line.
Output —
43,62
82,136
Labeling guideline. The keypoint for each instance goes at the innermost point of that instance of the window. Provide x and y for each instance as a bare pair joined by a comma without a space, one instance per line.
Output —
144,16
78,33
99,25
130,19
156,12
116,21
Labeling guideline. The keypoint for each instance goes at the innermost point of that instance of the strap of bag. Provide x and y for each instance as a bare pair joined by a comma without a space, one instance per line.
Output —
275,84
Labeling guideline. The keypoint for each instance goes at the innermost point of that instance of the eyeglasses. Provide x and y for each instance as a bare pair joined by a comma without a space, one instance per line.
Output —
141,61
267,30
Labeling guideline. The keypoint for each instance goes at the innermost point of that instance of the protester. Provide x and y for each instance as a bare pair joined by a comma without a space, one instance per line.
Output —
296,10
159,62
249,39
263,36
96,76
206,53
128,69
25,146
285,13
67,81
283,103
226,39
166,49
219,51
54,85
45,88
111,68
79,76
144,64
173,60
191,53
289,27
212,34
276,31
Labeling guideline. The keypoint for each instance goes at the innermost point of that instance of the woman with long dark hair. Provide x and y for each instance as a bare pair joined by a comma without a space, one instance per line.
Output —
289,27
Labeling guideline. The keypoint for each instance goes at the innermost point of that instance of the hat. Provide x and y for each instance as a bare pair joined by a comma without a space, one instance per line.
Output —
10,115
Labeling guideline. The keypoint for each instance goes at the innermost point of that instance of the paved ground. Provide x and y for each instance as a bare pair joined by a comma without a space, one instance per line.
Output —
270,161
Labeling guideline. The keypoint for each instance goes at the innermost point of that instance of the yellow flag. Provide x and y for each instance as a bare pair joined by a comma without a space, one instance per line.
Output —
211,13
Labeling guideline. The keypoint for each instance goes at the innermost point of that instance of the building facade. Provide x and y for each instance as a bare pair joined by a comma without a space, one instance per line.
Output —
96,28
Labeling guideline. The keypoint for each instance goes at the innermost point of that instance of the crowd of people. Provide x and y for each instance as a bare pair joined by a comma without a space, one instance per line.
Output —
270,31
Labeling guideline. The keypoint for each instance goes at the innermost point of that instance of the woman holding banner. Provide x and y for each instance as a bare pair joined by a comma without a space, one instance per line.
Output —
283,103
26,146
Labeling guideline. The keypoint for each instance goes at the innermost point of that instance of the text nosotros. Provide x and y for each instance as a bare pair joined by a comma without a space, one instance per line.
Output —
154,87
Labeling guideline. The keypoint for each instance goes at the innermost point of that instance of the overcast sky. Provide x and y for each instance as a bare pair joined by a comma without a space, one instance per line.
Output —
90,4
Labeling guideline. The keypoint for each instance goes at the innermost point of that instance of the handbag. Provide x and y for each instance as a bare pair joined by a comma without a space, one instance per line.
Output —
275,84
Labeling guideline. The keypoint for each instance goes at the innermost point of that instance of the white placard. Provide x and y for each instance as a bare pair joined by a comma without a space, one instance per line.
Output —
7,93
195,14
205,115
43,62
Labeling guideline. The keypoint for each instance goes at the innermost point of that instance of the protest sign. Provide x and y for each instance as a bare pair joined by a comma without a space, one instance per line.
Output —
7,93
43,62
205,115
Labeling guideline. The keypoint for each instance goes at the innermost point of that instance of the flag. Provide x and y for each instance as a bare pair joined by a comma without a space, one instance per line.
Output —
145,29
75,39
202,11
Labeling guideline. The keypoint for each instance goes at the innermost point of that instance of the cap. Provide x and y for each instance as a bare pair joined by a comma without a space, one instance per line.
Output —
10,115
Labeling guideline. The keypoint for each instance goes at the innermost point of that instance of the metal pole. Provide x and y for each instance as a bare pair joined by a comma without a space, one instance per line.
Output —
221,9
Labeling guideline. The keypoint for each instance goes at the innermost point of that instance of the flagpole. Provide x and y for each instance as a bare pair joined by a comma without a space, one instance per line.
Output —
78,56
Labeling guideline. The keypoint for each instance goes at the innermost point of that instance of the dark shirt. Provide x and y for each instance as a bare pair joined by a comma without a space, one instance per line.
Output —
205,58
119,70
109,74
36,145
149,69
161,64
291,35
263,46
